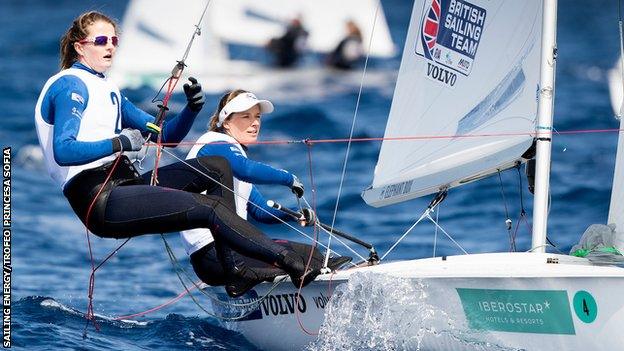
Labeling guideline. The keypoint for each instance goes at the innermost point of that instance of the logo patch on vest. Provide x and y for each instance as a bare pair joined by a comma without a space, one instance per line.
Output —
78,98
76,112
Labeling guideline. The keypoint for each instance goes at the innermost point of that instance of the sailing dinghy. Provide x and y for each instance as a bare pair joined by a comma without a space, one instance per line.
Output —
469,68
150,43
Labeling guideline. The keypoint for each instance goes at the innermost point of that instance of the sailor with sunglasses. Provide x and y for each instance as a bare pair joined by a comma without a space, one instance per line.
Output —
83,123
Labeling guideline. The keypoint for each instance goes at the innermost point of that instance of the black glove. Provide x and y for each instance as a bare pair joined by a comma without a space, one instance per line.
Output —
297,187
128,140
309,217
194,95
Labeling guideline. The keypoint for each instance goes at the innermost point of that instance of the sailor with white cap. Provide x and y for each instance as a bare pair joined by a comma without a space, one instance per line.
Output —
235,125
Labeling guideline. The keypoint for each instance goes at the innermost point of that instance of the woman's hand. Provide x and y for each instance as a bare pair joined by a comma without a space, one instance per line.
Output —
297,187
194,95
128,140
309,217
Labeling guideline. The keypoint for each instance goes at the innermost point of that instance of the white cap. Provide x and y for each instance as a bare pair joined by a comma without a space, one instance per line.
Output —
243,102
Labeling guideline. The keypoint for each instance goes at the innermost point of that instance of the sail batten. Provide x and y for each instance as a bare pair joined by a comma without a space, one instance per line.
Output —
468,68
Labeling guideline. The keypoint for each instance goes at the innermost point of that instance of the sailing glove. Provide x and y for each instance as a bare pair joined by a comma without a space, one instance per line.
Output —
128,140
297,187
308,218
194,95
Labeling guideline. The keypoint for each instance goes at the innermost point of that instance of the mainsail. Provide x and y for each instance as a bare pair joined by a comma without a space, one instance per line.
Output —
465,102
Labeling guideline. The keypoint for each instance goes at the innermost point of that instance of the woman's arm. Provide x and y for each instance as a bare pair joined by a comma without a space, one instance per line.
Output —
262,212
245,169
174,129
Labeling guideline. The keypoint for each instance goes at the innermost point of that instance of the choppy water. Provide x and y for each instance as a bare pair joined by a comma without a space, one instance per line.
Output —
50,257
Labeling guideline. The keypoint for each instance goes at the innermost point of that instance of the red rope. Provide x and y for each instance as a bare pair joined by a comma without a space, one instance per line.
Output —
315,231
90,315
173,81
161,306
412,137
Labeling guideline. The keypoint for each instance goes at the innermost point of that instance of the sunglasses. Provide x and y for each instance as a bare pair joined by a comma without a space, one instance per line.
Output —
101,40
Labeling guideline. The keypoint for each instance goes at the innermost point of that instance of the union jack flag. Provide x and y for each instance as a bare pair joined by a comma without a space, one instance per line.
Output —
430,27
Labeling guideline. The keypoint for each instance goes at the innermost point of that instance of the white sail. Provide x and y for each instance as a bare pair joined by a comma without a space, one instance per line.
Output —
254,23
465,101
615,87
616,209
154,35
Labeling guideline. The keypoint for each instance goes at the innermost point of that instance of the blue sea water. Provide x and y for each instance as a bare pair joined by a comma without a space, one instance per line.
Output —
49,252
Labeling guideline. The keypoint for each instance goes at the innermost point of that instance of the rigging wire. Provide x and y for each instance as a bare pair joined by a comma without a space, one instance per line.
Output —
405,234
172,81
350,140
445,233
311,254
90,314
253,204
435,235
355,113
508,222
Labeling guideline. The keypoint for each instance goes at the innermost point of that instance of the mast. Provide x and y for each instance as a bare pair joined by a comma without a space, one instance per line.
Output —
544,125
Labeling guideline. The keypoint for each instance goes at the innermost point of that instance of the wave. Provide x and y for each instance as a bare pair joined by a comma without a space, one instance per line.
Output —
44,323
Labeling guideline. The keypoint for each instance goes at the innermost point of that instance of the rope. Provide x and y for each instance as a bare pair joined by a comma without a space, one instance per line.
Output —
200,287
343,243
172,82
311,254
402,138
178,268
90,315
508,223
426,213
447,234
253,204
153,309
355,113
435,235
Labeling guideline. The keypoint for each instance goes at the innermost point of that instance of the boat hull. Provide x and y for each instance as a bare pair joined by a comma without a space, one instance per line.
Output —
488,301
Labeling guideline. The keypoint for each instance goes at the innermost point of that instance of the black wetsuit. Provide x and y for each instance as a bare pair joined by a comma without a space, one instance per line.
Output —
128,206
285,48
339,58
208,268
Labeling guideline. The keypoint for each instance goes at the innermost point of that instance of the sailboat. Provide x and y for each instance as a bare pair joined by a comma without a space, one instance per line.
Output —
480,75
150,46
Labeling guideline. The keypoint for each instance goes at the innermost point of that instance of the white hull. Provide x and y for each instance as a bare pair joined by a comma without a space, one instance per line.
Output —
525,301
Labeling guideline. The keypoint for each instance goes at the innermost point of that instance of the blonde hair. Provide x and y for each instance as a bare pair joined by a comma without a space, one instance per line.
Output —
78,32
212,125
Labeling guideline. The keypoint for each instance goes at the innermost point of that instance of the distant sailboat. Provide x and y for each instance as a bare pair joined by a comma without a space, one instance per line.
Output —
468,67
151,44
